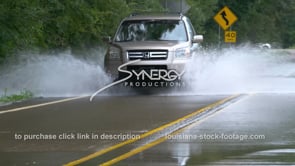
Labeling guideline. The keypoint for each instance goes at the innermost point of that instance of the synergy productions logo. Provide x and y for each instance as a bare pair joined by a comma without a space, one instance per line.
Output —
152,77
145,78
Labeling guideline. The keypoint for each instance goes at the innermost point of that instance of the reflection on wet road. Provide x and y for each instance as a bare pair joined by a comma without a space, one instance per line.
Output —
111,115
257,131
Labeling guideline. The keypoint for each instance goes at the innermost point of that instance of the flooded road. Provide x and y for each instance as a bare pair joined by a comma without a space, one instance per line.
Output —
25,134
259,130
255,129
239,110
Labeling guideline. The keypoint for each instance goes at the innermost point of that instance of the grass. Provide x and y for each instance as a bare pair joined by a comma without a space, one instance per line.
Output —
23,95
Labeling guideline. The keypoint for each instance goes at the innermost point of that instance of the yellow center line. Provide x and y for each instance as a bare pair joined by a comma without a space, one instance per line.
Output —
162,139
151,132
138,150
41,105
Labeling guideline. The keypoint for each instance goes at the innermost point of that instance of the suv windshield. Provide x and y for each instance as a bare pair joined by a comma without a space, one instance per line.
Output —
156,30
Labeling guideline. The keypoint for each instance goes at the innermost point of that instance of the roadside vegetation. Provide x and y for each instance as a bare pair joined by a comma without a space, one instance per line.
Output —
46,25
43,26
23,95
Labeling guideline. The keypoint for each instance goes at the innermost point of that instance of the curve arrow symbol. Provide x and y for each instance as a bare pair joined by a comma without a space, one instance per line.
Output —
223,14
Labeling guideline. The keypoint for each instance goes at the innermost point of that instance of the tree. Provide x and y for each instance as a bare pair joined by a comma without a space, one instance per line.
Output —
62,24
144,6
259,21
20,26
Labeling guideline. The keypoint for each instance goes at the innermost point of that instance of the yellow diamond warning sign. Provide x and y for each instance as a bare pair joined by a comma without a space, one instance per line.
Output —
225,18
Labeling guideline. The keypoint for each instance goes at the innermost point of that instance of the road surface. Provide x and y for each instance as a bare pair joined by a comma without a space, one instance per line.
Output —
253,129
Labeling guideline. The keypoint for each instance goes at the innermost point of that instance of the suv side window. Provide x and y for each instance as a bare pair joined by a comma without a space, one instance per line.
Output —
190,28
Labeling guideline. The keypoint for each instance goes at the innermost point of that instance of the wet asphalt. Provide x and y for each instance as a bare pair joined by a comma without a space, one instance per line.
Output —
259,129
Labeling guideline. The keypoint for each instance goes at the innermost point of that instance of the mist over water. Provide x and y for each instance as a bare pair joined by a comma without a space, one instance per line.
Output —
227,71
60,75
241,70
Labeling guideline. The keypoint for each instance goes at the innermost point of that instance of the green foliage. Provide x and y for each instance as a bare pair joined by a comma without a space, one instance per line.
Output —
145,5
286,22
20,26
80,23
200,12
61,24
259,21
23,95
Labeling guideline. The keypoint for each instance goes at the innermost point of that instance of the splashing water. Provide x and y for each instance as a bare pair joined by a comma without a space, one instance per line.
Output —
228,71
242,70
53,76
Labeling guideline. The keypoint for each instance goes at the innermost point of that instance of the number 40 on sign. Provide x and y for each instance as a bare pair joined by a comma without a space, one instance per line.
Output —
230,36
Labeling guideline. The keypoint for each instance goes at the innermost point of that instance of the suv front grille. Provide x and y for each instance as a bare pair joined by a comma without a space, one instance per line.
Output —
145,67
147,54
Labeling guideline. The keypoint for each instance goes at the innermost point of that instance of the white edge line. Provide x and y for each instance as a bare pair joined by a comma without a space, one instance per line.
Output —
41,105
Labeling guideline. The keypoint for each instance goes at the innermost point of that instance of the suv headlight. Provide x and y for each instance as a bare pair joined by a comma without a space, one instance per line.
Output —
183,53
114,53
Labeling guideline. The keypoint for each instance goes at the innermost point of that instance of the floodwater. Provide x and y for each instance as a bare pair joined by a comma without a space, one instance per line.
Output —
227,71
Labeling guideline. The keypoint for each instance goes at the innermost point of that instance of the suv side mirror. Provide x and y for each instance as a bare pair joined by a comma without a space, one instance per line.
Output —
198,39
107,39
